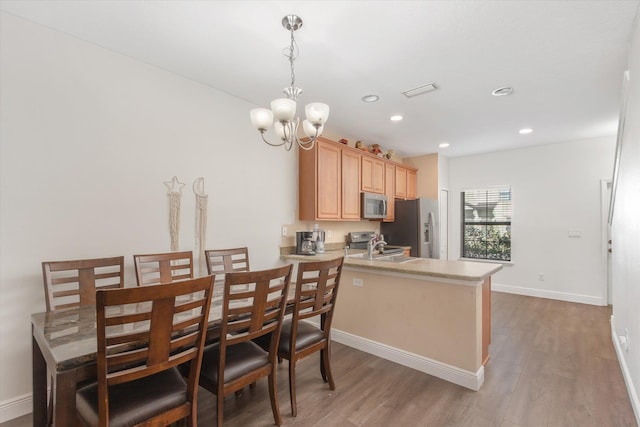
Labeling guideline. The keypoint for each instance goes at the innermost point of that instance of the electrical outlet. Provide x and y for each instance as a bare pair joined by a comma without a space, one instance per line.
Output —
328,234
358,282
284,231
541,277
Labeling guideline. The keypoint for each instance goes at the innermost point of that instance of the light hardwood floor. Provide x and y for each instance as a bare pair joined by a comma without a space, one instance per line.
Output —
552,364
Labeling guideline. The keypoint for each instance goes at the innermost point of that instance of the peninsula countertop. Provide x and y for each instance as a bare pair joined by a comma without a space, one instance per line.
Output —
428,267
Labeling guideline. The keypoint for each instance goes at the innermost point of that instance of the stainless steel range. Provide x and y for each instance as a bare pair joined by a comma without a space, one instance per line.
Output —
359,239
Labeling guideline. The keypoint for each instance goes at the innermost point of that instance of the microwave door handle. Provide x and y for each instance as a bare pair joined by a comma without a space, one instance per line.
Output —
384,207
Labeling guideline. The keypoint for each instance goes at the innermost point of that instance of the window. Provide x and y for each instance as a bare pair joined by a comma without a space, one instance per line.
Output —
486,224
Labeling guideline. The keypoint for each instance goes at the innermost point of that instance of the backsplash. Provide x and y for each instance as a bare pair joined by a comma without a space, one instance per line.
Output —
335,231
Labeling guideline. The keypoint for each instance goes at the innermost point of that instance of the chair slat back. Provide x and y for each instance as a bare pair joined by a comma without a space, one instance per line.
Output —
154,269
145,330
74,283
253,305
316,290
227,260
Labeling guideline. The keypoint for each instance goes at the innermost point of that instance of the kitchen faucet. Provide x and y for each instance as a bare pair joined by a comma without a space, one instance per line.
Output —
373,243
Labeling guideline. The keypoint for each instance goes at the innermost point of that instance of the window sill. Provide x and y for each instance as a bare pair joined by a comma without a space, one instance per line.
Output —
492,261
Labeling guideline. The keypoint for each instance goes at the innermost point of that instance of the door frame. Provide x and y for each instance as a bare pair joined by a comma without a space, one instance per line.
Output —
605,236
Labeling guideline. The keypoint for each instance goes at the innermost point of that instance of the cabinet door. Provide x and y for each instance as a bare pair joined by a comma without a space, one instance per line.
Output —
389,191
329,203
350,185
372,175
401,183
411,183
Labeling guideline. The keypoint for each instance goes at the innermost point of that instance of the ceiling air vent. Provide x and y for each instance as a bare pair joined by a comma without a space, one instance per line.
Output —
420,90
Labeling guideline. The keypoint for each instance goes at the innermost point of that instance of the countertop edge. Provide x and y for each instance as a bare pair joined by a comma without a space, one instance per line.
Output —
411,268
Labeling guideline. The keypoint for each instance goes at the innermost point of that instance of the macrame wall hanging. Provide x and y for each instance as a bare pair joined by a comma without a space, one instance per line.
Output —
174,193
201,224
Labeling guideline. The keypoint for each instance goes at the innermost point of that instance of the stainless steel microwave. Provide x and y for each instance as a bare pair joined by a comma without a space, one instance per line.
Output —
373,206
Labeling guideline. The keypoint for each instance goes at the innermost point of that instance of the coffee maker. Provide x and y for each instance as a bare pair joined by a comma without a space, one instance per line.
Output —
305,243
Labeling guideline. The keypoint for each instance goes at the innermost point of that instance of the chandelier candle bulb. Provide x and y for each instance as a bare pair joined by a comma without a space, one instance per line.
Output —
284,109
310,129
280,130
261,118
317,113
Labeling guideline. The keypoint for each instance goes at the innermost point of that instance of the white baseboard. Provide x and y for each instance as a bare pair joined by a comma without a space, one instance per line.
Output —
15,407
543,293
633,395
464,378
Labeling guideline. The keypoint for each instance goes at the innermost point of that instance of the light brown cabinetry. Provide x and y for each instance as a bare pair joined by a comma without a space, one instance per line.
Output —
329,183
405,183
412,178
350,185
389,191
331,177
373,175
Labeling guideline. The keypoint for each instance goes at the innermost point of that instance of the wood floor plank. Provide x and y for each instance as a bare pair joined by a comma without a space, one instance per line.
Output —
552,364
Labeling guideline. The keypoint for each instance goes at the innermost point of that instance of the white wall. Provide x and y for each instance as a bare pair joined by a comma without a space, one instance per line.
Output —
87,139
625,235
555,188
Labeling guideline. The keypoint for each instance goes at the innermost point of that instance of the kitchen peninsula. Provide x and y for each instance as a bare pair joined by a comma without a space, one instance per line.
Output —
429,314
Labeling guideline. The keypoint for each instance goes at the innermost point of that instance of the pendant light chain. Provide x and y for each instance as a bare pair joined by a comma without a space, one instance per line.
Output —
292,57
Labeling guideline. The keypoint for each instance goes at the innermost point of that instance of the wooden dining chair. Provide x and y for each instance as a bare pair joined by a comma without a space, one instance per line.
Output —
253,306
143,334
74,283
227,260
316,292
153,269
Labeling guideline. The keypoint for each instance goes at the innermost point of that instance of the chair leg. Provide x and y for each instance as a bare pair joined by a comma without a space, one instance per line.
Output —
323,372
220,408
325,355
292,387
273,395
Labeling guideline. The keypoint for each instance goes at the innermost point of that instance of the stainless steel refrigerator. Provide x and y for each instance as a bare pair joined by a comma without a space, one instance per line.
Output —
416,225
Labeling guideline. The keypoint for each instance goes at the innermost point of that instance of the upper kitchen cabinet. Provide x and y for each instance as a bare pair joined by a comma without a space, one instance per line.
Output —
373,174
329,182
350,185
390,191
405,183
412,179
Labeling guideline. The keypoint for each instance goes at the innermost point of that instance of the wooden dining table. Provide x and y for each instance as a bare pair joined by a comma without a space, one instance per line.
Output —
64,345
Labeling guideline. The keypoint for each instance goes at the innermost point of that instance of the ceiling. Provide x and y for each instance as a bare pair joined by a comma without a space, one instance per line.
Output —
564,60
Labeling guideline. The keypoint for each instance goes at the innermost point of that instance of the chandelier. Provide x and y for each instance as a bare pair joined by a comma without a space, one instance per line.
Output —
283,110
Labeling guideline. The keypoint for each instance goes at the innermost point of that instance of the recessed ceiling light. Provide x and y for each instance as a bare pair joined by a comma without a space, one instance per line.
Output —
525,131
443,145
370,98
396,118
502,91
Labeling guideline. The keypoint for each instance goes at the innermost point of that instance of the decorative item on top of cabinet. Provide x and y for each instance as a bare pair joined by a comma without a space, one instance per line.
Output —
375,150
329,182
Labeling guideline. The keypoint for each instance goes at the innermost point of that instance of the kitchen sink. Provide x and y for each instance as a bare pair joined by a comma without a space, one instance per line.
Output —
397,258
